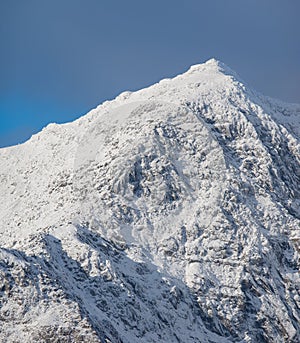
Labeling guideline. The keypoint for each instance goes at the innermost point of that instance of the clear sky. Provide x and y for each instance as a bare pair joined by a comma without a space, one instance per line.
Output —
60,58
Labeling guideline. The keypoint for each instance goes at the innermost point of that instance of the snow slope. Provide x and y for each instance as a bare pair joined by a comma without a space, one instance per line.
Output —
170,214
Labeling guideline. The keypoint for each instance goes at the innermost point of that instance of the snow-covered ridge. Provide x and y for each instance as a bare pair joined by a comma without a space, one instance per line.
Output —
168,214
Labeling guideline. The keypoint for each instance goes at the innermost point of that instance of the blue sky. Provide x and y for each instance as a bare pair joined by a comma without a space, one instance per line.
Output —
61,58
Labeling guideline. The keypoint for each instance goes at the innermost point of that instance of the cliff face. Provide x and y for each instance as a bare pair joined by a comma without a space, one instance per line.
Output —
170,214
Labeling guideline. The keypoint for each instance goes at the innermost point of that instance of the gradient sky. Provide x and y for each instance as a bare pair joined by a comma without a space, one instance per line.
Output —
60,58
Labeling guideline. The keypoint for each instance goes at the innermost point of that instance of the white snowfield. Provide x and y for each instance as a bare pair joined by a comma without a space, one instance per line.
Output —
170,214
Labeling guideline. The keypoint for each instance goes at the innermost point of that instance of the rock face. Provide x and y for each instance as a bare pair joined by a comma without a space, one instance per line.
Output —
170,214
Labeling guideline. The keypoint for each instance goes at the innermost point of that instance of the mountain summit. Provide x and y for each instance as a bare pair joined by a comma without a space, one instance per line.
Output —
170,214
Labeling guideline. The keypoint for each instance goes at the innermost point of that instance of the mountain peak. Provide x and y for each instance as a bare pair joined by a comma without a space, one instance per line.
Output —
210,62
168,214
214,66
200,79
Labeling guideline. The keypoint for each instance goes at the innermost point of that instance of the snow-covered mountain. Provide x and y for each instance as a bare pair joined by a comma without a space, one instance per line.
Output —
170,214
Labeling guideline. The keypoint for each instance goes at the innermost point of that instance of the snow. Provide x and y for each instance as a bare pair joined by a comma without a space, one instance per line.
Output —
168,214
